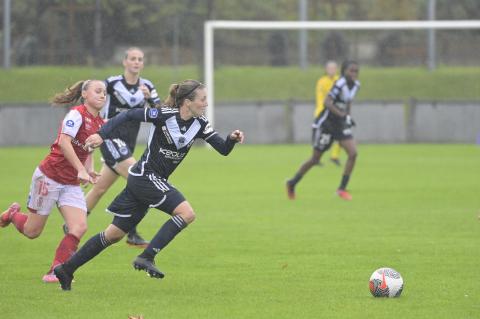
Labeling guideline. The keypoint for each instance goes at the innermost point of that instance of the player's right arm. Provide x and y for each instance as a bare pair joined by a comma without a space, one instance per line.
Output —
65,144
137,115
70,126
330,105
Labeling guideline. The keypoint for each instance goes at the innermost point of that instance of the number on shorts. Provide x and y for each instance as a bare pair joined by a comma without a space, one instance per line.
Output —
325,139
42,188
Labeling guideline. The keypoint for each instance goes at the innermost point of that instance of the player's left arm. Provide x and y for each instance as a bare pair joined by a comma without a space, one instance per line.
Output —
348,118
349,107
222,146
150,94
90,167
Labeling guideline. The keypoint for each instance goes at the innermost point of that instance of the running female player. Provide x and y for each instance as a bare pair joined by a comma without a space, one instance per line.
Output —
175,128
125,92
334,123
56,181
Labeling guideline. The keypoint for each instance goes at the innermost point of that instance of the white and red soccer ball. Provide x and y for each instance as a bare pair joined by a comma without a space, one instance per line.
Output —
386,282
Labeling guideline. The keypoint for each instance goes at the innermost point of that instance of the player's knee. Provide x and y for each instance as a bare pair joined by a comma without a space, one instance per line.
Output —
353,155
32,233
188,216
79,229
315,160
114,239
114,234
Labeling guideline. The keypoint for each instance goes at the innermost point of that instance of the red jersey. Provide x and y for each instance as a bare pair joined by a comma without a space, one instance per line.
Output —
79,124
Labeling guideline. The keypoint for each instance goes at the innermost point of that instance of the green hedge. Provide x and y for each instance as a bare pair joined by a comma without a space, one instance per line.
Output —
37,84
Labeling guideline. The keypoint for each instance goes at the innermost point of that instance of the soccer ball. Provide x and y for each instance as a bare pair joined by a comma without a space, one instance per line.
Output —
386,282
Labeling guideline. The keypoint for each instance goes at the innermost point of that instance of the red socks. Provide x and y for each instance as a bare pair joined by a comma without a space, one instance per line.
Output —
67,247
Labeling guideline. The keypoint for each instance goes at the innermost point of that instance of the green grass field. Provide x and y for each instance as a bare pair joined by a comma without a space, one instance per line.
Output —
257,83
253,254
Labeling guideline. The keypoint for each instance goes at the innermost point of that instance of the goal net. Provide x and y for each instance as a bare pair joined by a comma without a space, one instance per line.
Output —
274,52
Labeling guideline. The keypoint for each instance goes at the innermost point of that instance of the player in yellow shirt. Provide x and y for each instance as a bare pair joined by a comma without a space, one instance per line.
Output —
324,84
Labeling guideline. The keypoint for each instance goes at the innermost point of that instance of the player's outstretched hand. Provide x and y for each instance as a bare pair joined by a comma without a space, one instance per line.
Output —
237,136
93,141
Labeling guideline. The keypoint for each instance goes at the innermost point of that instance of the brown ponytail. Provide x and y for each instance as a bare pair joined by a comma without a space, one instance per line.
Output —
172,95
179,92
71,95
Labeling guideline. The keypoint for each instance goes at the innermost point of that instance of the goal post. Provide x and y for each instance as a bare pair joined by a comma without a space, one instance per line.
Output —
212,25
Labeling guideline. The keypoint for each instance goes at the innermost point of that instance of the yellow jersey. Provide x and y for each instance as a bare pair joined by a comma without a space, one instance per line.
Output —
324,84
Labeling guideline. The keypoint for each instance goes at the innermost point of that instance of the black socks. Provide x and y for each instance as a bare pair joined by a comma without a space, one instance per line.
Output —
164,236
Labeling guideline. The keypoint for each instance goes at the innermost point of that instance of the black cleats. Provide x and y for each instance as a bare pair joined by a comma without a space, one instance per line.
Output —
134,239
141,263
64,277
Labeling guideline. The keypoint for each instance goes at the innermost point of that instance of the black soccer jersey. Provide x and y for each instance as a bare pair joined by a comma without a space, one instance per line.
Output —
121,97
170,138
341,95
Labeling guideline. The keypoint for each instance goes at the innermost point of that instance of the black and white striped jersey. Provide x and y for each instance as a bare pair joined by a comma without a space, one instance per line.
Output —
169,140
121,97
341,95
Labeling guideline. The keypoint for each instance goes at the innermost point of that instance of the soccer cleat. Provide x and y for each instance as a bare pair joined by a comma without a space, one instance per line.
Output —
64,278
336,161
344,194
141,263
49,278
290,190
6,217
134,239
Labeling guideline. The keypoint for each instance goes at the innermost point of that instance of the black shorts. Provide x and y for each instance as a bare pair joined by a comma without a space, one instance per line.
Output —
324,133
115,151
140,194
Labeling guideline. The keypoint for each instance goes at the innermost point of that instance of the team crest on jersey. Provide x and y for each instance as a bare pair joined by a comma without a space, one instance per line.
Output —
123,150
208,129
133,100
70,123
153,113
181,140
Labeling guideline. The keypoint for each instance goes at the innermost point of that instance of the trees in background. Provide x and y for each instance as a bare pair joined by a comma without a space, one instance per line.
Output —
64,31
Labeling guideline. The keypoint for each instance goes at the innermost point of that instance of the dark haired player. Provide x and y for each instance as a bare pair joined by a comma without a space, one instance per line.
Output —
334,123
175,129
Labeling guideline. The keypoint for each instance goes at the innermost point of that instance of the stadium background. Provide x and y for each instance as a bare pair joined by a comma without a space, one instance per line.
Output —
252,253
415,90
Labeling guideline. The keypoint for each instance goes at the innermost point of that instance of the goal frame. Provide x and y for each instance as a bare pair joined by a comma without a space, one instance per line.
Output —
211,25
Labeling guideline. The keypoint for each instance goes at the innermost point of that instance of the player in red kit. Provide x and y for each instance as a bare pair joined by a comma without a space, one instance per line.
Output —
56,181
